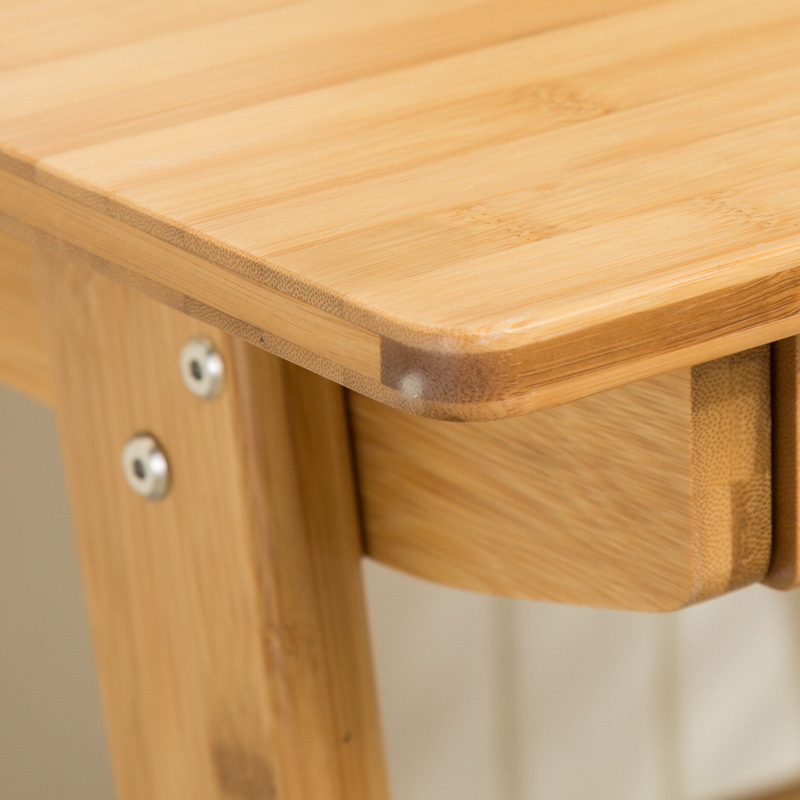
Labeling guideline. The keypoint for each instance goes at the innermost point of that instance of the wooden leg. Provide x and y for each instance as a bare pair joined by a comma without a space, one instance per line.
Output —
228,618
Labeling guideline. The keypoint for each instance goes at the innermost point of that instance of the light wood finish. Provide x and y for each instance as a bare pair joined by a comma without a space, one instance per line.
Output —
651,496
170,274
228,619
784,571
23,360
398,455
392,442
472,209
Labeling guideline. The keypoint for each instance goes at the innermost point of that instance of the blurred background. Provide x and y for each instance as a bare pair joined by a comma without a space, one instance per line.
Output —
482,698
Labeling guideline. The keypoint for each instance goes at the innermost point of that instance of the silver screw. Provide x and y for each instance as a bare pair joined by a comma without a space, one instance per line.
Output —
202,368
146,467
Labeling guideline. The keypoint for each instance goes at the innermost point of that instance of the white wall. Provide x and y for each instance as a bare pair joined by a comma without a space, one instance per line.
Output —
483,699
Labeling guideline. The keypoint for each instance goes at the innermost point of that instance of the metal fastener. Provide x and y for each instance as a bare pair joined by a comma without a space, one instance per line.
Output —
202,368
146,467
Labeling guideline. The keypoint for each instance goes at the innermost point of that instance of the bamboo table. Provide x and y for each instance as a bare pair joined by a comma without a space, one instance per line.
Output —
456,210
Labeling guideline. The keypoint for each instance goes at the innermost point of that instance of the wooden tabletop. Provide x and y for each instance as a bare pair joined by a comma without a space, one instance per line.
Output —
465,209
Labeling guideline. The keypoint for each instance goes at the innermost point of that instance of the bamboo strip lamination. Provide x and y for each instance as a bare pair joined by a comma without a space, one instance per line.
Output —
649,497
228,618
466,210
612,488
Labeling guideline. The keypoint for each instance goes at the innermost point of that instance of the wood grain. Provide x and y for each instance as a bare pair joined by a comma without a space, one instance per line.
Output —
23,359
473,209
378,431
784,571
396,444
650,497
165,271
228,619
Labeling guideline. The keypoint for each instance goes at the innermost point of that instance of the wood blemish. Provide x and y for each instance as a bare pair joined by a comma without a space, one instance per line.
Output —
243,774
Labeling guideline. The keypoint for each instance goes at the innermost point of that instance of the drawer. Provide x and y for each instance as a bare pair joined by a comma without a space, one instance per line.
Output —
651,496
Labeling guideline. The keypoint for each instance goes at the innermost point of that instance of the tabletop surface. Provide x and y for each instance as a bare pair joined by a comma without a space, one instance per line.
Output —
465,209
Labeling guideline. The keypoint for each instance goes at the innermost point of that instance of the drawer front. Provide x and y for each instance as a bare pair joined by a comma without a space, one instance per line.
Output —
650,496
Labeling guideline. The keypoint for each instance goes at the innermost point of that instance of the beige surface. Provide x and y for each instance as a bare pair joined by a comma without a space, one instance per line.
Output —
52,738
477,209
229,618
651,497
736,701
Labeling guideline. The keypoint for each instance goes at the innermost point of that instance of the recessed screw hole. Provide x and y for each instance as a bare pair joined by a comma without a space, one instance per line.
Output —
201,368
139,470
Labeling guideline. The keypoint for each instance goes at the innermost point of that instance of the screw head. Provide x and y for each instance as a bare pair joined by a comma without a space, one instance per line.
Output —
145,466
202,368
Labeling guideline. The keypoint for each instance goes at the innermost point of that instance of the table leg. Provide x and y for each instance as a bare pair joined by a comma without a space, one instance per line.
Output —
228,618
